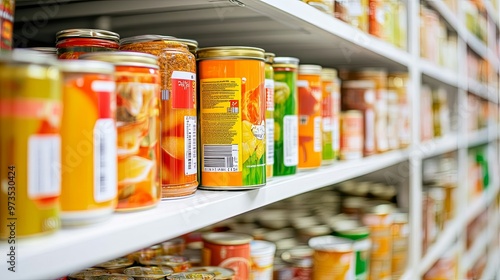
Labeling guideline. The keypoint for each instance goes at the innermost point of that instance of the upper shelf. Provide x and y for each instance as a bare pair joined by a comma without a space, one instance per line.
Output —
70,250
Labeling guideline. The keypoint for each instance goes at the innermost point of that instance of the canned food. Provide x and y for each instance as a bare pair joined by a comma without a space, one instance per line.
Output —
333,258
177,263
174,246
88,144
330,115
269,88
313,231
286,122
378,219
400,232
262,256
377,16
146,273
71,43
310,112
362,245
300,262
87,273
192,275
30,118
358,14
398,83
137,87
228,250
6,24
146,253
232,121
178,111
114,276
116,265
351,135
220,272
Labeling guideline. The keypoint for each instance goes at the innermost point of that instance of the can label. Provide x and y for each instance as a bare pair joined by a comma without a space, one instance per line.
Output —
236,258
183,93
270,141
351,139
232,132
291,139
269,87
43,179
105,160
336,120
6,24
333,265
381,251
190,167
328,125
310,144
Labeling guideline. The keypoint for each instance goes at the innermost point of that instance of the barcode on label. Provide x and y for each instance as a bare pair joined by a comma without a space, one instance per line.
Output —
291,140
44,162
220,158
190,149
270,141
105,160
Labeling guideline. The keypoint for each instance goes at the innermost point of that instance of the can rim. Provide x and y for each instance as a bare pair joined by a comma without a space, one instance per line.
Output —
262,247
286,61
310,69
183,275
331,244
227,238
123,58
329,73
116,263
221,273
87,33
132,271
86,66
230,52
26,56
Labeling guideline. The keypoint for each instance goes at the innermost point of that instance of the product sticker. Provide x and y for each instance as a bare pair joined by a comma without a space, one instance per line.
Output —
269,141
269,87
183,94
291,140
105,180
44,162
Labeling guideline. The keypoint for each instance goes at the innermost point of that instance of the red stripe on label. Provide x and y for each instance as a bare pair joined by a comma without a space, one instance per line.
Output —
29,108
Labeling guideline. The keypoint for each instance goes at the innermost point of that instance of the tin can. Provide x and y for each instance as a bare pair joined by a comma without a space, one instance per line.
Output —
400,232
30,118
232,120
147,273
178,111
358,14
6,24
378,219
333,258
176,263
330,115
398,83
362,245
262,256
351,135
146,253
116,265
300,259
220,272
286,121
88,145
71,43
192,275
87,273
174,246
310,112
113,276
137,87
269,88
228,250
377,16
360,95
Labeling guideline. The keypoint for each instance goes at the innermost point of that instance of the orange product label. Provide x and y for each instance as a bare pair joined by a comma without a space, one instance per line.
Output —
310,121
351,136
235,257
333,265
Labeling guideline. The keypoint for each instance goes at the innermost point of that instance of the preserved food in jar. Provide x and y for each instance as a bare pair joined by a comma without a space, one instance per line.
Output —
71,43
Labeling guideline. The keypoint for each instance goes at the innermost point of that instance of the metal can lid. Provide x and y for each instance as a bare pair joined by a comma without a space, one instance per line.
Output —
262,247
269,57
27,56
280,234
355,233
113,276
83,274
331,244
152,272
302,222
310,69
145,38
328,73
230,52
298,256
382,190
227,238
345,225
287,243
88,33
379,209
192,275
365,84
221,273
354,202
116,263
86,66
124,58
167,260
290,62
316,230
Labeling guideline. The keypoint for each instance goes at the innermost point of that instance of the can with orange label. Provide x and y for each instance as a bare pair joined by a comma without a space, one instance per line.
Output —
333,258
30,144
232,117
228,250
310,103
89,143
351,135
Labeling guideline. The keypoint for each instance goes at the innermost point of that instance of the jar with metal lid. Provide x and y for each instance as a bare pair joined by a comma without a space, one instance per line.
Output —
137,86
178,117
310,112
360,95
176,263
88,89
116,265
30,118
232,120
330,112
6,24
286,121
269,88
220,272
333,258
71,43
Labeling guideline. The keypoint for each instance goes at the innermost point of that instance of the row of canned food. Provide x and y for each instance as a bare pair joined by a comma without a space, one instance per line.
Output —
119,130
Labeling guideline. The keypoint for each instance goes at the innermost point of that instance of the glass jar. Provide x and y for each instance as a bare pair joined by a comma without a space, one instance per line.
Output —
71,43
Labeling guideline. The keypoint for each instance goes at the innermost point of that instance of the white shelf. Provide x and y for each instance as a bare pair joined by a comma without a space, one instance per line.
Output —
74,249
477,249
481,203
477,138
439,73
480,89
438,146
442,8
492,268
492,12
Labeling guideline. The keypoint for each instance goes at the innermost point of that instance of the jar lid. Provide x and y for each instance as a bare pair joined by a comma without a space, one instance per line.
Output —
86,66
352,113
297,255
45,50
191,44
310,69
165,260
124,58
27,56
379,209
331,244
280,234
354,202
366,84
287,243
316,230
113,276
328,73
303,222
88,33
116,263
192,275
344,225
221,273
269,57
83,274
290,62
152,272
230,52
227,238
355,233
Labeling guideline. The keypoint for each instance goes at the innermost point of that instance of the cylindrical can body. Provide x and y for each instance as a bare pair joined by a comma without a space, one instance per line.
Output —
360,95
351,135
400,232
137,88
30,121
269,88
71,43
362,246
232,117
310,116
262,255
6,24
333,258
329,113
398,82
377,19
228,250
88,144
286,122
178,112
